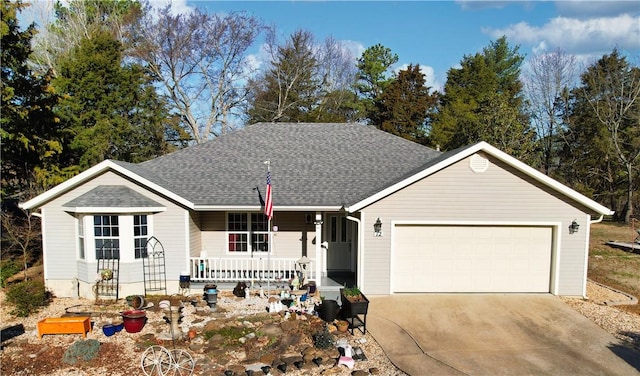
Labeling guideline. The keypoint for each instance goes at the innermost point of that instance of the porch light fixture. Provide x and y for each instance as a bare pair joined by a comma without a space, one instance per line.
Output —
573,227
377,228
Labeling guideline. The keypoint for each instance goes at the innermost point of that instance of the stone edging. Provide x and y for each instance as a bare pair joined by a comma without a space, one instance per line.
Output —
632,299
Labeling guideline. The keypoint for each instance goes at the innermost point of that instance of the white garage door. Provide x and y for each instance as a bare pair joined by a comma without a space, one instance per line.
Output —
471,259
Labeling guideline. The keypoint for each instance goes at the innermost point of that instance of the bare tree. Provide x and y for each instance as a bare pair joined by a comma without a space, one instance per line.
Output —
64,25
21,236
200,60
549,78
304,81
612,88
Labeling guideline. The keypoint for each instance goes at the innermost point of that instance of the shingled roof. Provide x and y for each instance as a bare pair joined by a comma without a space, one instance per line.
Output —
312,165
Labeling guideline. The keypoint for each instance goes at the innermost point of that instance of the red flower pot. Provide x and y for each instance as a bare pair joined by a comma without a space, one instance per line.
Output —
134,320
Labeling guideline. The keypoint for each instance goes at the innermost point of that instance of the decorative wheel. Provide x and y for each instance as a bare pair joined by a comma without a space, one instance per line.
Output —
183,364
156,361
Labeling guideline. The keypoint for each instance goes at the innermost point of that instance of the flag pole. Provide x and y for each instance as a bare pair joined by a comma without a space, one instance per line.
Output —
268,212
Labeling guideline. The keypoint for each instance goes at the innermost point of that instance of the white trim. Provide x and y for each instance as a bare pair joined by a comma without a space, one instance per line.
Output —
187,240
588,221
555,251
504,157
93,172
45,258
118,210
257,208
360,277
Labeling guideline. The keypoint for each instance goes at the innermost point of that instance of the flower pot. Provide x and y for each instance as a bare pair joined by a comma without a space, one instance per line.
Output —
342,326
109,330
134,320
312,287
328,310
138,302
119,326
353,306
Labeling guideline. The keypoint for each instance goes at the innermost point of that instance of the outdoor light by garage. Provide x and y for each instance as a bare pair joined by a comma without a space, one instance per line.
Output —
377,228
573,227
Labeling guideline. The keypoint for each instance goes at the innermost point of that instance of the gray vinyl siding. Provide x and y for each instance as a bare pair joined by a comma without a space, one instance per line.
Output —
61,237
293,237
456,194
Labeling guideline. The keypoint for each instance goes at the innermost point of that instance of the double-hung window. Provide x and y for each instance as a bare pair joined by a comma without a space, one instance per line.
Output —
247,232
106,232
140,236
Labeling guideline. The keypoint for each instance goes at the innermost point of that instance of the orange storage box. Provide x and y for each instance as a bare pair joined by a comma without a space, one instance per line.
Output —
64,325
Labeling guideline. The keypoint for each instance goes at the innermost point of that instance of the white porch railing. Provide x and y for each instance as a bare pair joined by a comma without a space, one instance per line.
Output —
230,269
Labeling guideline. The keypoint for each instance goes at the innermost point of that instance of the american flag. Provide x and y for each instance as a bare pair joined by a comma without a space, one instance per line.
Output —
268,204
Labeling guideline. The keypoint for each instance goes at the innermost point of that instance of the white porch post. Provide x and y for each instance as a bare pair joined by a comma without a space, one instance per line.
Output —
319,263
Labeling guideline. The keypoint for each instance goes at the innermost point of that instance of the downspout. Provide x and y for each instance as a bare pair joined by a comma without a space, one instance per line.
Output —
359,258
586,253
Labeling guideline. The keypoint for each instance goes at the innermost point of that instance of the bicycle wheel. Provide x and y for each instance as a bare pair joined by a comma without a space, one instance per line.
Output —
183,364
156,361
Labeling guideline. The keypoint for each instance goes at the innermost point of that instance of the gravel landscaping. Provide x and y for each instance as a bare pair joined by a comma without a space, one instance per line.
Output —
121,353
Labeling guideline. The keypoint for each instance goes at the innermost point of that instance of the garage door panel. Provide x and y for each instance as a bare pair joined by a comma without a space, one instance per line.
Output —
472,259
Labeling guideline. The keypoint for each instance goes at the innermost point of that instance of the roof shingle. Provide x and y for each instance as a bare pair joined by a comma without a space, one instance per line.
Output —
312,164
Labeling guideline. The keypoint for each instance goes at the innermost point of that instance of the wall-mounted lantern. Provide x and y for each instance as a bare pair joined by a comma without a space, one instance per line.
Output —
377,228
573,227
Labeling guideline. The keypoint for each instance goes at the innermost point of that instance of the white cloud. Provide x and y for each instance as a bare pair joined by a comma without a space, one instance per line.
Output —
429,76
177,6
596,35
355,48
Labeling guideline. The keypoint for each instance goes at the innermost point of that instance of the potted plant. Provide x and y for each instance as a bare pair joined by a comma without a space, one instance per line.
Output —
353,302
342,325
106,274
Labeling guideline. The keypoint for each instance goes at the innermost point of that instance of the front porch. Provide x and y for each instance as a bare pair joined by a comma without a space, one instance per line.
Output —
269,274
251,269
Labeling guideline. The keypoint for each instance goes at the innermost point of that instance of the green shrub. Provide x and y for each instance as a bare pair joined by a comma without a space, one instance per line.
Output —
81,350
27,297
7,269
323,339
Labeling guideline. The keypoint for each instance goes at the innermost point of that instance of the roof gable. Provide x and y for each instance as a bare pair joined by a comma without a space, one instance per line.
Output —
112,198
454,156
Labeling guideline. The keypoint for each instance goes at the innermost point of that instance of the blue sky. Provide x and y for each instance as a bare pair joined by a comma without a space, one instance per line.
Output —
437,34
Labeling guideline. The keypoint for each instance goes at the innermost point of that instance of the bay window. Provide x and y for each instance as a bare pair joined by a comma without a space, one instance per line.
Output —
113,236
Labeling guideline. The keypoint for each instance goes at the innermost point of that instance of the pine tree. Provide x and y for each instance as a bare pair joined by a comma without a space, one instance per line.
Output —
483,102
110,109
403,106
29,130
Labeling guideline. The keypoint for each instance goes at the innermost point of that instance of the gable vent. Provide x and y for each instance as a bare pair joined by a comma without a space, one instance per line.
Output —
478,164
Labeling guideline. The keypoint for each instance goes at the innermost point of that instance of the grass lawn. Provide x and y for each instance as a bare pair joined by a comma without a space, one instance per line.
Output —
614,267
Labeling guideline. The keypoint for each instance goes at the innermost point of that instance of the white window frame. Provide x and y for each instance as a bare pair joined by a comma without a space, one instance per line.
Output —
249,233
125,237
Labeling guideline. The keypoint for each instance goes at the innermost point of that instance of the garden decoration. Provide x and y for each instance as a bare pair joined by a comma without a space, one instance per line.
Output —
158,361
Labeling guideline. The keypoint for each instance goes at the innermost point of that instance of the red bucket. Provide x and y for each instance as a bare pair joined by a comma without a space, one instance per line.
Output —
134,320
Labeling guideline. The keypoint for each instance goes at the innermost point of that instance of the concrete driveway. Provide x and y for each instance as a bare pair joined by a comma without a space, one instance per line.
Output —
484,334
